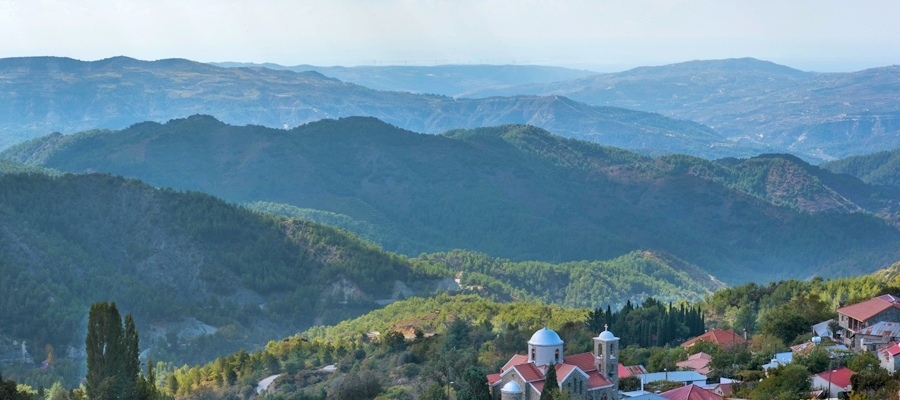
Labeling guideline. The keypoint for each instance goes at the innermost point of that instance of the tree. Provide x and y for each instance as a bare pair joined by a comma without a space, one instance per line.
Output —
474,385
9,391
784,382
114,371
550,383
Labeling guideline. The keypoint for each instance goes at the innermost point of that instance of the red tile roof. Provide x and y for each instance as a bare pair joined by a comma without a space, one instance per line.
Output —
563,370
623,372
539,386
869,308
585,361
493,378
718,336
515,360
894,350
690,392
595,381
529,372
839,377
697,362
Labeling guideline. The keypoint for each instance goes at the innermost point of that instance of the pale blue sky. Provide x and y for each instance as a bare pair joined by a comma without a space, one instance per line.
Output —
817,35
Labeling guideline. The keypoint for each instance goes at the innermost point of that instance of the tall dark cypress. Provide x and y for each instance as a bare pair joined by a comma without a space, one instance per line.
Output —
550,383
131,370
112,355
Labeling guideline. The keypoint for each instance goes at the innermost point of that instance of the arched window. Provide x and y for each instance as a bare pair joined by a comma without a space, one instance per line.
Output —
556,356
532,354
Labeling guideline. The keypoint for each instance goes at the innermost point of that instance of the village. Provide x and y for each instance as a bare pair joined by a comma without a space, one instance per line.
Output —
871,326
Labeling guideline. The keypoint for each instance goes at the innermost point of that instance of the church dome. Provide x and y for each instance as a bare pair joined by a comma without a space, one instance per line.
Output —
545,337
606,335
511,387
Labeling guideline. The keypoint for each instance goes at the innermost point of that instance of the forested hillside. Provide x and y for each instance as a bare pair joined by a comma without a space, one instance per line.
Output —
815,115
45,94
881,168
204,278
178,261
513,191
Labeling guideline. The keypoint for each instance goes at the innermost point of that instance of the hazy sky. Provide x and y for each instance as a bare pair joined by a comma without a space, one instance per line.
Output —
817,35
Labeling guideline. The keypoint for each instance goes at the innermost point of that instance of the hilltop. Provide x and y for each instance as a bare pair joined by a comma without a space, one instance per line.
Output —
40,95
881,168
512,191
821,116
447,80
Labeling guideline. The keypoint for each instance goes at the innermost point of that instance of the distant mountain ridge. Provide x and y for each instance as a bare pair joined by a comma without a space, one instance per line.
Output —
447,80
44,94
816,115
513,191
881,168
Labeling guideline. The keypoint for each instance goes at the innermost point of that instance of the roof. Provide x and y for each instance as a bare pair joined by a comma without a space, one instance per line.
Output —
596,381
839,377
585,361
493,378
869,308
883,328
631,370
515,360
724,388
563,371
607,335
822,328
645,396
697,362
511,387
717,336
803,347
892,349
528,372
675,376
690,392
545,337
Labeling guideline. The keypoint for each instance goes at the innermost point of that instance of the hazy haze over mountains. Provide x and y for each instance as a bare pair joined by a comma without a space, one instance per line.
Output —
815,115
44,94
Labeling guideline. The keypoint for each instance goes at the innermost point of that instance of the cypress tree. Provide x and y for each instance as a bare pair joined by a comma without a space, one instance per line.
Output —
112,356
550,383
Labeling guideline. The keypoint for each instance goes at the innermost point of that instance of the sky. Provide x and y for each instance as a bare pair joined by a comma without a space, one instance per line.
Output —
820,35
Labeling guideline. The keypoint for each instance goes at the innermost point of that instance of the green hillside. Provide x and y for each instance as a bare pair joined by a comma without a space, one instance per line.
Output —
512,191
204,277
881,168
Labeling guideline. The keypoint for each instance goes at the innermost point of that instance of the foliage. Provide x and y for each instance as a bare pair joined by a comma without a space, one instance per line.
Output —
10,391
784,382
551,384
512,191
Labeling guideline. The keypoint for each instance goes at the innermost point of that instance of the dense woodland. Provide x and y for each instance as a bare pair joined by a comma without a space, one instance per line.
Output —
173,257
512,191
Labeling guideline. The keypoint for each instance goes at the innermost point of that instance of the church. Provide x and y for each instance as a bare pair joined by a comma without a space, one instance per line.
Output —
588,376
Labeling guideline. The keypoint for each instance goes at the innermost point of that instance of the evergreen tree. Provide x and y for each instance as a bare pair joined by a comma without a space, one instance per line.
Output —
550,383
112,357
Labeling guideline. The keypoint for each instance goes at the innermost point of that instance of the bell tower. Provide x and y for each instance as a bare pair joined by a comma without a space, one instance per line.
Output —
606,356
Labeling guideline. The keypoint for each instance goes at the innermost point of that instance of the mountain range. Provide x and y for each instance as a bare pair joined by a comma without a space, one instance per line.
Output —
446,80
814,115
512,191
45,94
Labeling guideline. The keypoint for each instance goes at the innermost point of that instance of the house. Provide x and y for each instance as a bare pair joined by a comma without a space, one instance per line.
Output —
690,392
823,329
587,376
834,382
877,335
643,396
857,317
888,355
698,362
684,377
720,337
